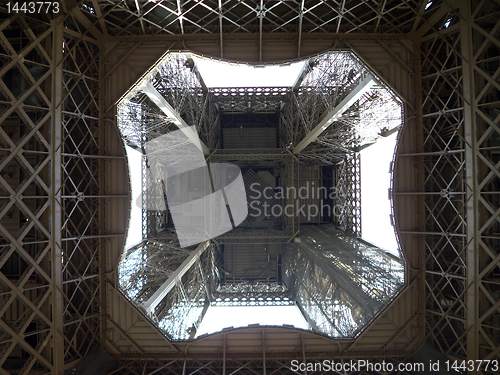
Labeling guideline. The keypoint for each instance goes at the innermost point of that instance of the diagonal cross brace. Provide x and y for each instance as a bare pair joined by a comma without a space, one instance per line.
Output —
173,116
365,83
176,276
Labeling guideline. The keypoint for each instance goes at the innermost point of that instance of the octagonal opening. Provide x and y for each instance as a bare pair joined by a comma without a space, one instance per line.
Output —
296,142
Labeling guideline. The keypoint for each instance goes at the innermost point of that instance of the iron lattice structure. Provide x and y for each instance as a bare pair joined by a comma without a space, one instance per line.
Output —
335,92
53,196
63,175
341,295
348,195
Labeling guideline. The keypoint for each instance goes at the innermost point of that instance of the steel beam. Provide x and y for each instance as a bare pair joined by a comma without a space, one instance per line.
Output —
472,189
308,65
56,199
167,286
196,72
173,116
364,85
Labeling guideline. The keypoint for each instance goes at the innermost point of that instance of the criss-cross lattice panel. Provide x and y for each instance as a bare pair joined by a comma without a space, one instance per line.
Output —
486,59
340,283
214,17
176,81
82,187
50,194
338,91
444,169
181,311
461,177
25,190
327,82
256,99
347,200
245,293
235,366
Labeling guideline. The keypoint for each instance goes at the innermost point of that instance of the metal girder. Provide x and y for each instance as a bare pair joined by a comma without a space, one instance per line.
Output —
347,202
48,235
56,198
460,159
173,116
303,73
175,277
196,71
224,18
361,87
471,159
447,168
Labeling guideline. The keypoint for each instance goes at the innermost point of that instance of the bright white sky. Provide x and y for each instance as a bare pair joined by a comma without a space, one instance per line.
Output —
219,74
135,171
219,317
375,207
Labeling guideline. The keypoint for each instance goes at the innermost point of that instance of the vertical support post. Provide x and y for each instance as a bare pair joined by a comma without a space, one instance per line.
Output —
299,40
221,32
261,17
471,186
102,193
264,352
224,357
56,198
418,261
303,350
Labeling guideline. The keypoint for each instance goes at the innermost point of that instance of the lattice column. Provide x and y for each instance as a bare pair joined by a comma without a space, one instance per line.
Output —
147,267
82,230
348,195
480,48
57,207
445,184
30,230
339,283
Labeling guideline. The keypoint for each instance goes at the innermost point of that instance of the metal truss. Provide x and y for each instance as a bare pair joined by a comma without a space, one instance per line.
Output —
52,185
171,95
263,236
250,99
219,18
338,107
323,88
237,235
336,299
252,294
252,157
460,157
146,266
146,269
182,310
257,362
347,201
55,156
291,178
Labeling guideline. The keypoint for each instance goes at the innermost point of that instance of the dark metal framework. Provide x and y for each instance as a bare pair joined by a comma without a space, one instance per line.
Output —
442,56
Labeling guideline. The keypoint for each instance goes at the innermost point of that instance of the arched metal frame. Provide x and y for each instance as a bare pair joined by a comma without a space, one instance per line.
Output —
63,175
